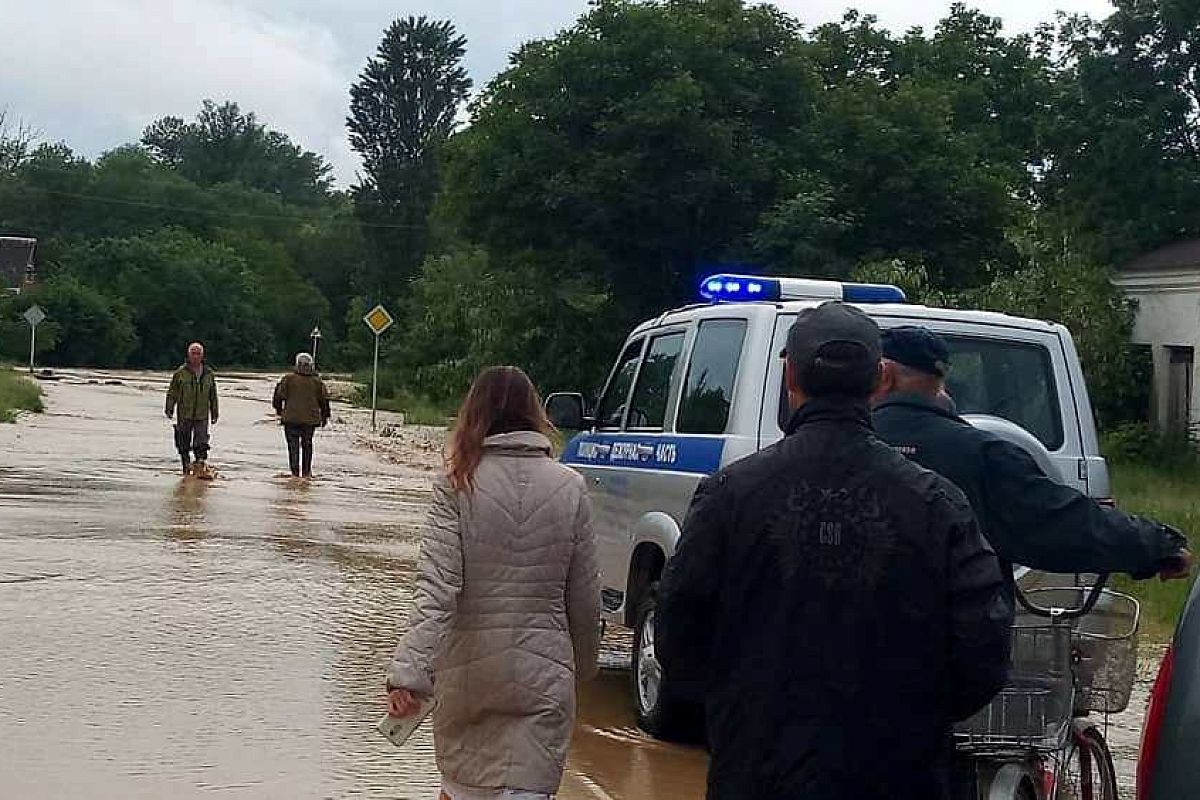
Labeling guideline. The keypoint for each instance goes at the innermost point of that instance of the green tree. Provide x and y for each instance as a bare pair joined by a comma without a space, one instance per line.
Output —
911,277
331,253
636,146
14,330
286,302
466,312
90,329
213,229
1000,89
44,196
402,110
925,144
16,141
127,193
1126,142
802,233
227,145
178,288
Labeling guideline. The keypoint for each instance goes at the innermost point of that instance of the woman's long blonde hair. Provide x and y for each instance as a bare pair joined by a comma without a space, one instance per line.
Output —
501,400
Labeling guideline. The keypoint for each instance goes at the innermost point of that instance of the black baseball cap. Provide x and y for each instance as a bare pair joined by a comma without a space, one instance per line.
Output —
834,346
918,348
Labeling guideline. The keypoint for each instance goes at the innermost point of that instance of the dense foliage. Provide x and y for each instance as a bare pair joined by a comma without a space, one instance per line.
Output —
136,259
402,110
608,167
225,145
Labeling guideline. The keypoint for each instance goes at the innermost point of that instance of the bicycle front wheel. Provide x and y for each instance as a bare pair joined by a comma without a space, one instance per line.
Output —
1088,771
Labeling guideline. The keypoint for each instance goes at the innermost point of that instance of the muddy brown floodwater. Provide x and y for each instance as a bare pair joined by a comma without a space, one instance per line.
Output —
170,638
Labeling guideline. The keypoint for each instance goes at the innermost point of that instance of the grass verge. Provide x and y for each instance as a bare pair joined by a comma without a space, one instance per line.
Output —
1170,494
17,394
417,410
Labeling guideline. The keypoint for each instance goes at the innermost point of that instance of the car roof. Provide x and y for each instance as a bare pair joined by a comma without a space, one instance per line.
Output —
878,310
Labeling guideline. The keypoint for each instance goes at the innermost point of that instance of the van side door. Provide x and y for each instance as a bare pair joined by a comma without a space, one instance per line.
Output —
620,454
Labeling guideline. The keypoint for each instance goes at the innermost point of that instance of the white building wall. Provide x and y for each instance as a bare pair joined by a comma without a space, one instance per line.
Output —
1168,315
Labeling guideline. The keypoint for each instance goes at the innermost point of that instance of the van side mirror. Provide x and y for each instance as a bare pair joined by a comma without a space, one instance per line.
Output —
566,411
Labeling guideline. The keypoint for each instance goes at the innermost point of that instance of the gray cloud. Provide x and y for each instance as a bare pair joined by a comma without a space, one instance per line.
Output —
94,74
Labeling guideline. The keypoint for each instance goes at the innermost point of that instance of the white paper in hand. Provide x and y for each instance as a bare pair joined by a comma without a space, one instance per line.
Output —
398,730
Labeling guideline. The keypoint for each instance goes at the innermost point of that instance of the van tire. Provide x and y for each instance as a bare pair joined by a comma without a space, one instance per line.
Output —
659,709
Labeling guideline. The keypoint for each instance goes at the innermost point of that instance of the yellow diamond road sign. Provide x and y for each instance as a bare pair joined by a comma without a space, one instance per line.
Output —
378,320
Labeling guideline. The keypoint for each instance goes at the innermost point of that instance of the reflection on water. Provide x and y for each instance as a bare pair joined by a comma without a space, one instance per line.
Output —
187,509
610,751
292,498
182,637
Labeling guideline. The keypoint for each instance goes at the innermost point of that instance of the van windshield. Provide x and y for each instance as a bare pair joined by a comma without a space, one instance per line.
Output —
1011,380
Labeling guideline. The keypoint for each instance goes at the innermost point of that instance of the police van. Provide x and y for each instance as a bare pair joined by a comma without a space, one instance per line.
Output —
702,386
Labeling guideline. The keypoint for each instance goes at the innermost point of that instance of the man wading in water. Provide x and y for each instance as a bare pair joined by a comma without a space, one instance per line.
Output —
302,404
193,394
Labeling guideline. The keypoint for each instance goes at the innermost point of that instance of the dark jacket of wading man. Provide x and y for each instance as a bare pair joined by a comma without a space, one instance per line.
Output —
300,397
506,610
838,609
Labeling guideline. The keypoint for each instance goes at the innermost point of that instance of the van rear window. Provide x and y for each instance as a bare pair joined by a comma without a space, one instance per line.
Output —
1011,380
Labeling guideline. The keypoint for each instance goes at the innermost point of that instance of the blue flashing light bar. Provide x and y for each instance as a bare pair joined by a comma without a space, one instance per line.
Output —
872,293
739,289
747,288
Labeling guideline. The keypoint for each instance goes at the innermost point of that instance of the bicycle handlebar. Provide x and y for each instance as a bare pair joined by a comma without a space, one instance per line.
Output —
1089,603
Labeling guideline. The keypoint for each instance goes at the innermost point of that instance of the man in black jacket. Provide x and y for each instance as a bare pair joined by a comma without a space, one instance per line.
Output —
1027,517
835,601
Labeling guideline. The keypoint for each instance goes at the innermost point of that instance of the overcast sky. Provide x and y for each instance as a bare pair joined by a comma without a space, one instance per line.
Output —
95,72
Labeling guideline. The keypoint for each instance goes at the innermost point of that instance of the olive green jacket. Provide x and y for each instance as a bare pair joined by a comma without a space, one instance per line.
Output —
301,399
195,397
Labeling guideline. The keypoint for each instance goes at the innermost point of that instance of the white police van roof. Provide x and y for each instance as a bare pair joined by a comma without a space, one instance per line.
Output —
791,295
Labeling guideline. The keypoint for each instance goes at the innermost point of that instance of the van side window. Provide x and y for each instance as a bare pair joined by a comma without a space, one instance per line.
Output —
648,409
708,392
611,410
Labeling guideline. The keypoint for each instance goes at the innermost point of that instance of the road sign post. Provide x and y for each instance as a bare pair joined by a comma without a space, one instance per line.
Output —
316,340
378,320
375,384
34,316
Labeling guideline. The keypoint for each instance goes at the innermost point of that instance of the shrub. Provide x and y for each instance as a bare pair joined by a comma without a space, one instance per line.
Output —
17,394
1141,443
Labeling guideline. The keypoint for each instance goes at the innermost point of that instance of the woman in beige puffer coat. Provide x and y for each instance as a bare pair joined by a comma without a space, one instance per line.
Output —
506,605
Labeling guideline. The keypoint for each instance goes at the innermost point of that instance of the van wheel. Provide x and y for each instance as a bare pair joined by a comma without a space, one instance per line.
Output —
660,712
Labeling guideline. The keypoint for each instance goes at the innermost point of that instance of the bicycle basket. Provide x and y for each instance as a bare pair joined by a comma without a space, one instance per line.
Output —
1034,709
1105,646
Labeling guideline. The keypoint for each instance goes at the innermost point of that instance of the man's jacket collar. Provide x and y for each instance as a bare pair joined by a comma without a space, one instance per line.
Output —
830,409
919,402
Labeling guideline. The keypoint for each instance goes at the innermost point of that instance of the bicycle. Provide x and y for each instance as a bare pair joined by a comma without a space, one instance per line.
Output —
1072,657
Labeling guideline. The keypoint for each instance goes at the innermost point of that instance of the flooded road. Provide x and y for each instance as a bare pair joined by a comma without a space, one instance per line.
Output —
172,638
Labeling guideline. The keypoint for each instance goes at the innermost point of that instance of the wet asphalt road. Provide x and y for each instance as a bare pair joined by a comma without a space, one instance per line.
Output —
174,638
